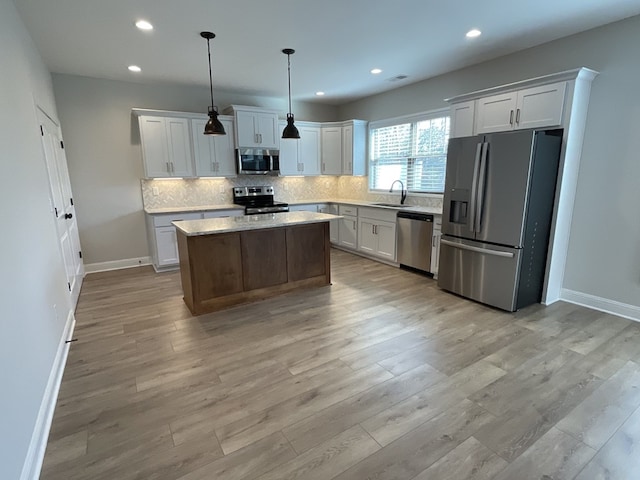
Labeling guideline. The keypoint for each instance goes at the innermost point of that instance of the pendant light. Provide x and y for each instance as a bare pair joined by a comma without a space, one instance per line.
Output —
213,126
290,131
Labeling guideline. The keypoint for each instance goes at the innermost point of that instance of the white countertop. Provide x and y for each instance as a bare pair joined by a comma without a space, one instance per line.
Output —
199,208
249,222
358,203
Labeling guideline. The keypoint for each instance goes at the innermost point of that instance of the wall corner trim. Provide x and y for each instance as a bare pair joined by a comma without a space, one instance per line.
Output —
625,310
37,446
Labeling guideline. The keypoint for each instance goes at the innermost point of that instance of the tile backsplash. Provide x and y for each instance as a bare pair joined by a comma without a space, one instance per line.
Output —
194,192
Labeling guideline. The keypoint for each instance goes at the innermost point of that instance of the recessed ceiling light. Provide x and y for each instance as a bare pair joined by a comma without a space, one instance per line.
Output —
376,71
319,94
473,33
134,68
144,25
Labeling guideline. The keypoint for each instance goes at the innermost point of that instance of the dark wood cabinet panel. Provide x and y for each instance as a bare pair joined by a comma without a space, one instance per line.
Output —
225,269
264,258
306,251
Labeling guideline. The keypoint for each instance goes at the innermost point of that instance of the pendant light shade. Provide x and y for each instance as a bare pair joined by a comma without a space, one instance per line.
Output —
290,131
213,126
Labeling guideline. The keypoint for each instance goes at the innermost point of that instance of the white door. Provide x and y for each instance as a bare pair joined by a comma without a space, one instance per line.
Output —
289,155
348,232
367,240
153,136
62,205
179,147
310,151
224,151
540,106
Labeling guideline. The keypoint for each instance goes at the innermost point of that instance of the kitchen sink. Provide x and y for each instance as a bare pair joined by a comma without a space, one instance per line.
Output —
393,205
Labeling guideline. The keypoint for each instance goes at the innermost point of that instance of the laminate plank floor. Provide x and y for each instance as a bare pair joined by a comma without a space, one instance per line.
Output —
379,376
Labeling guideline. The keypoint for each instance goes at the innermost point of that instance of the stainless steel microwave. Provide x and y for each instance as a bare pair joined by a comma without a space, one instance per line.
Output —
258,161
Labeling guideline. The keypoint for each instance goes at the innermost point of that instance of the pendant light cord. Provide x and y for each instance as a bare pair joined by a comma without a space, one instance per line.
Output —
289,75
210,76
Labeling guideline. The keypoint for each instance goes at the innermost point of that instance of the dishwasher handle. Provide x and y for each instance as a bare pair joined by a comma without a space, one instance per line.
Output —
422,217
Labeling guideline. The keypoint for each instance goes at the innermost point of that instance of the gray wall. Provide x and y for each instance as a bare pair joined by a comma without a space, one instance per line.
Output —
33,278
604,250
105,160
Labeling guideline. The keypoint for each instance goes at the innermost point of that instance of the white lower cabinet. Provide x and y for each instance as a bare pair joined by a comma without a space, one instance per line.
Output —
236,212
348,232
334,225
162,238
377,232
309,207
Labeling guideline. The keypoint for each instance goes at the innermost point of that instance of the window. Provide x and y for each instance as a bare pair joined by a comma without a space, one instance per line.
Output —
411,149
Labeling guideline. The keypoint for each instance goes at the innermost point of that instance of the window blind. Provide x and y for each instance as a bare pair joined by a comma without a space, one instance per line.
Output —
414,152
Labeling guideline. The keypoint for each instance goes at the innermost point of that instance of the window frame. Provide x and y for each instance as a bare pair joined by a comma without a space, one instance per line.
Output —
389,122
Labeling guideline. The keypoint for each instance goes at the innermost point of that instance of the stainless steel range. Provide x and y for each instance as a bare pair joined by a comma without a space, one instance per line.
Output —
258,200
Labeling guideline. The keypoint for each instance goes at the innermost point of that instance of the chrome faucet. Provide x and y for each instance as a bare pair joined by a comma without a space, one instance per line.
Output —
403,192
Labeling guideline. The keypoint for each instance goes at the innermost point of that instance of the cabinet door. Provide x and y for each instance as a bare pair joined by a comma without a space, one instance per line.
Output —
224,151
167,246
203,149
309,150
153,138
223,213
331,151
462,116
496,113
267,130
179,145
347,150
435,245
367,240
348,232
289,155
386,239
247,133
540,106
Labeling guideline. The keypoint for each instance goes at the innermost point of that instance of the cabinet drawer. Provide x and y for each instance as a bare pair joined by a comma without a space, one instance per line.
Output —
381,214
348,210
222,213
165,220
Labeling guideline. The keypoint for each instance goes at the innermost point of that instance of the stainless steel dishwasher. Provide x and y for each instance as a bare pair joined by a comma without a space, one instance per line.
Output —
414,240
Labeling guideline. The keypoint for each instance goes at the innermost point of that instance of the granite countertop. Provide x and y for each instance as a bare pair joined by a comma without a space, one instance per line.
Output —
249,222
358,203
199,208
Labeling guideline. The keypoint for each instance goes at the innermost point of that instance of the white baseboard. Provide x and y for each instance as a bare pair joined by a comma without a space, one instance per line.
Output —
117,264
38,445
625,310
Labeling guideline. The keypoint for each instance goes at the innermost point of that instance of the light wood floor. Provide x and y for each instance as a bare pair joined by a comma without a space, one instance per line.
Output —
380,376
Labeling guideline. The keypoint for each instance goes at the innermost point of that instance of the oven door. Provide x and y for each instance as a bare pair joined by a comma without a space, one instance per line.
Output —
254,161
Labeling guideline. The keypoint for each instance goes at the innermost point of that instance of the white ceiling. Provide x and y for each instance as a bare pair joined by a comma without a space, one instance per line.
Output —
337,42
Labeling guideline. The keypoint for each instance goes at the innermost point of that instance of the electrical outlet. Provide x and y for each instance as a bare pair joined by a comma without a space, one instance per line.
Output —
155,191
221,188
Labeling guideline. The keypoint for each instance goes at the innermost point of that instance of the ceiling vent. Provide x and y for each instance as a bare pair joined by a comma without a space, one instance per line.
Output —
398,78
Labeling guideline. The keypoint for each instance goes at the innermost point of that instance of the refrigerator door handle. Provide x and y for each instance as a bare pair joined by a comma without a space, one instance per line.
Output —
481,184
462,246
474,188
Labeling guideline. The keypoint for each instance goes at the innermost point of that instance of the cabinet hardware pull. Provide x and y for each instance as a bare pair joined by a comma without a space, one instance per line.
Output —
168,168
511,118
68,215
517,116
354,224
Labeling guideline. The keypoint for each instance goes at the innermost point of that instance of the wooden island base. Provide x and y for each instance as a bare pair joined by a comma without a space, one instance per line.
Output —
220,270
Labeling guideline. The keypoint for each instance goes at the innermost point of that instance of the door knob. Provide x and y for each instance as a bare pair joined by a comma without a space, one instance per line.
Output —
68,215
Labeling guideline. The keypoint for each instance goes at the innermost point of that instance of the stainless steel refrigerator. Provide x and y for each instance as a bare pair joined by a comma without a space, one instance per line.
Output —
498,204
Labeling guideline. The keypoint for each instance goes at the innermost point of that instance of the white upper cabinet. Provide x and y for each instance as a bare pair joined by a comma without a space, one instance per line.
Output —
166,146
540,106
462,116
354,147
534,107
213,154
496,113
331,150
255,127
301,156
309,149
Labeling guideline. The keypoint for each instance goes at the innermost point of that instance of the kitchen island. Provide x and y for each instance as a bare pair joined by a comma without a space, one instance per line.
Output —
234,260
